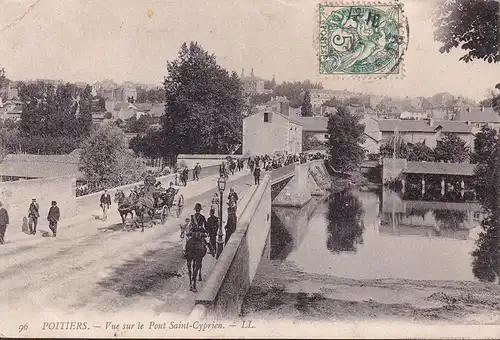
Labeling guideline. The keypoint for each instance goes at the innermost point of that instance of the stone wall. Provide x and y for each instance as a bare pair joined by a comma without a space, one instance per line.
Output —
392,168
225,289
16,197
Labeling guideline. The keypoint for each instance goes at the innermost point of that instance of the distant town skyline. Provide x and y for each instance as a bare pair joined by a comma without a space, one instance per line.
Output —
93,40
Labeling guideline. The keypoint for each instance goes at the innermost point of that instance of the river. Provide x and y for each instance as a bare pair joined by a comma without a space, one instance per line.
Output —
375,246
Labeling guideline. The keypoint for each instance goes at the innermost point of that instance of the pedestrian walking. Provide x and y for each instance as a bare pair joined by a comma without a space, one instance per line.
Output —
233,195
33,215
256,175
53,217
197,171
4,222
212,228
105,201
185,174
215,203
230,225
180,205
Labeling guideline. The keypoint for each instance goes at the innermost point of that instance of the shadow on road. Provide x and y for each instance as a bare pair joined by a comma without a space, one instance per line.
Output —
25,228
146,274
45,233
113,227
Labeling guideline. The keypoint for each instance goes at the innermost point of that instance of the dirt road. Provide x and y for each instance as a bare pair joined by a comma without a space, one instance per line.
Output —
95,267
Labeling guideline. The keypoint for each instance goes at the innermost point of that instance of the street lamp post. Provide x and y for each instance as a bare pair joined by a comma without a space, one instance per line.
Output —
221,183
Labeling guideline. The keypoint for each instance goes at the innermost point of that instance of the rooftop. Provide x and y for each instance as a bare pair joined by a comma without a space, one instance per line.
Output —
475,115
41,166
434,168
313,124
424,126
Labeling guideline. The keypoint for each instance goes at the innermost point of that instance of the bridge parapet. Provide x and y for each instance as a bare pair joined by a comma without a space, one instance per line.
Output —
222,294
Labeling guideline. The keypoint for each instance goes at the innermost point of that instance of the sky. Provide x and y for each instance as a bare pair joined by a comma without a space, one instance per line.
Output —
89,40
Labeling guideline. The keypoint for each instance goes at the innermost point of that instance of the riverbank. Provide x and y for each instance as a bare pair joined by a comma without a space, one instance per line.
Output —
283,291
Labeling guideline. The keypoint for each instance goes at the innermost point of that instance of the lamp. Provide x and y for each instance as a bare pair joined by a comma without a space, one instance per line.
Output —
221,184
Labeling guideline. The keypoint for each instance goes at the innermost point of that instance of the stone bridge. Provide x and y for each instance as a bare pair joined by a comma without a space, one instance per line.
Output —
292,186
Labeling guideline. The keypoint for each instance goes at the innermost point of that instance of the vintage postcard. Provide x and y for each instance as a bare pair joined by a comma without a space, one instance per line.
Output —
242,169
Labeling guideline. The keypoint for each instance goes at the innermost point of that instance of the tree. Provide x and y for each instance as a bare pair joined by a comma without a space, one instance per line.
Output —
270,85
345,139
153,96
259,99
51,114
105,159
402,148
203,105
101,103
419,152
471,25
484,145
144,144
306,108
451,149
332,102
134,125
486,255
310,142
294,91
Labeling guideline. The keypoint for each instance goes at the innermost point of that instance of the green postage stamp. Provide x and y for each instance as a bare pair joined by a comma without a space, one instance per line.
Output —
366,39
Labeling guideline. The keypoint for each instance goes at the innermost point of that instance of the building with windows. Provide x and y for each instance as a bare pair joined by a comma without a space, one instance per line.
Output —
252,85
269,132
478,117
425,131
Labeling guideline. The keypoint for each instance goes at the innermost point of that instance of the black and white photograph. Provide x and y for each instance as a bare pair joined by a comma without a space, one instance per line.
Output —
249,169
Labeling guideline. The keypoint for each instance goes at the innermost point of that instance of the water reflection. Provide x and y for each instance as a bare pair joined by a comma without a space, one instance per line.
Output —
364,234
289,227
449,219
345,225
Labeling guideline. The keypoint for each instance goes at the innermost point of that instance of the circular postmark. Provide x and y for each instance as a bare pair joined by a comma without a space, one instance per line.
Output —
365,39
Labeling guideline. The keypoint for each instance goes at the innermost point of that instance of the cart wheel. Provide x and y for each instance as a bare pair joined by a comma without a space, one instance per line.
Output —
163,214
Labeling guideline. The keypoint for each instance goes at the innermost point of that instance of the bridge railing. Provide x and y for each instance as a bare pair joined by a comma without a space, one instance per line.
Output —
222,294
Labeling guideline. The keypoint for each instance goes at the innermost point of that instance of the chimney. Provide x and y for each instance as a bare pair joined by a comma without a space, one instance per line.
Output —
431,122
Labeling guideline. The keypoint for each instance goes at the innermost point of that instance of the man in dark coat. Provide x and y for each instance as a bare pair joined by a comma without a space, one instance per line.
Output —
212,228
33,215
256,175
53,218
185,174
105,201
4,222
230,225
197,171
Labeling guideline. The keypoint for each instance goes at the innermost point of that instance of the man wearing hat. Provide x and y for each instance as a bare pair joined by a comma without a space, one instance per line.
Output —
53,217
33,215
198,220
212,228
105,204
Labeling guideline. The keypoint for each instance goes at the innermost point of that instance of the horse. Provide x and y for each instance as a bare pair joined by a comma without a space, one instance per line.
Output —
195,252
144,206
125,205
